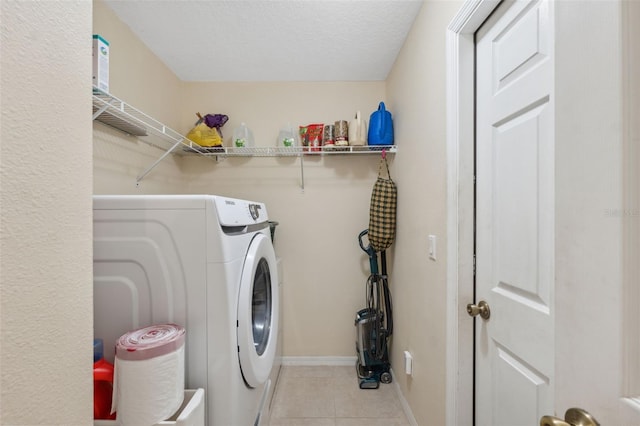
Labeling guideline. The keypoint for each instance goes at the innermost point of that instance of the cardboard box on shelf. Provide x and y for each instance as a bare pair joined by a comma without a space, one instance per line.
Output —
100,63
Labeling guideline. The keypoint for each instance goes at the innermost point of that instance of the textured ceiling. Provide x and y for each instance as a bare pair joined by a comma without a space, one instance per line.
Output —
271,40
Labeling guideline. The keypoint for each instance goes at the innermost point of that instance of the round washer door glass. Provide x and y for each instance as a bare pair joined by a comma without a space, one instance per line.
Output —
258,312
261,306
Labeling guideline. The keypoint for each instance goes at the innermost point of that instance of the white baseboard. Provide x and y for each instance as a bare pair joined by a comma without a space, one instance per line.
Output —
319,360
403,401
348,361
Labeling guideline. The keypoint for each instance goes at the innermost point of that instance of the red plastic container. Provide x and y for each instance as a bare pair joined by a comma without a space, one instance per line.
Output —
102,384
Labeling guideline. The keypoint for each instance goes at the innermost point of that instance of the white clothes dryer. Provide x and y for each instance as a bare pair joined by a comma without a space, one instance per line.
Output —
206,263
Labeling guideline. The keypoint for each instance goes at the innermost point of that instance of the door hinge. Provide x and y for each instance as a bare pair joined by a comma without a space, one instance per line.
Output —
474,265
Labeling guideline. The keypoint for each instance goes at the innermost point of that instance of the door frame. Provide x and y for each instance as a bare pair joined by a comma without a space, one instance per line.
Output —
460,65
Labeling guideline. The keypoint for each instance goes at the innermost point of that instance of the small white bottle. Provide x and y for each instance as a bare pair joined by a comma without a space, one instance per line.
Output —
242,137
358,131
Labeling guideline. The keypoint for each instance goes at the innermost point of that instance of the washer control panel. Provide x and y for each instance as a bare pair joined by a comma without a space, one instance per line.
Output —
235,212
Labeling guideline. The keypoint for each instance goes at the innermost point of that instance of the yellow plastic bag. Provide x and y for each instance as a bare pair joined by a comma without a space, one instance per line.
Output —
203,135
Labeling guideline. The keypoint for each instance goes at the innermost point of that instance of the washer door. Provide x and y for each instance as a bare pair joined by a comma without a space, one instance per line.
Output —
258,312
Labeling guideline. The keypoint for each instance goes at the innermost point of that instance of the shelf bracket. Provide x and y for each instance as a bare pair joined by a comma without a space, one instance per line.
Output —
302,172
101,110
155,163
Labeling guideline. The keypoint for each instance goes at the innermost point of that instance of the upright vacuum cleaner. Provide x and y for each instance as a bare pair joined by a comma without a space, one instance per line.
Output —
374,324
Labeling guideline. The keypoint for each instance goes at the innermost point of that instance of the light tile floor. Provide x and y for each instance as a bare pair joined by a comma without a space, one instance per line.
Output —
330,396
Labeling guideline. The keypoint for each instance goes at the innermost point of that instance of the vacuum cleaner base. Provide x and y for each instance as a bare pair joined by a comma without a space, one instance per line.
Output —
371,376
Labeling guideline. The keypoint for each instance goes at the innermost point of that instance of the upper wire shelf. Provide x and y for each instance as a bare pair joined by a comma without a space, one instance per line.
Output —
116,113
287,151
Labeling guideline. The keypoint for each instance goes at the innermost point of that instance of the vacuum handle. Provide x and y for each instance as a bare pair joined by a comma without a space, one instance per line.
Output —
373,258
362,234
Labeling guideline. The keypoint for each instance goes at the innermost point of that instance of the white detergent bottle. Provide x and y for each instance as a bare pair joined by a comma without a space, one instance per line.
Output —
358,131
242,137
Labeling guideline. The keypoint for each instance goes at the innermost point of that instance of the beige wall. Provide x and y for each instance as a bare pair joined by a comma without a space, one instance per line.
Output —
45,222
416,92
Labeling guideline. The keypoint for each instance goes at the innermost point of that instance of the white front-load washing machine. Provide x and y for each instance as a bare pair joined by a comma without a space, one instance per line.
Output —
206,263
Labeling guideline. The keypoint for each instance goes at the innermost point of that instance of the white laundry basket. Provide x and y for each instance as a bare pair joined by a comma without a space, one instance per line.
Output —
191,413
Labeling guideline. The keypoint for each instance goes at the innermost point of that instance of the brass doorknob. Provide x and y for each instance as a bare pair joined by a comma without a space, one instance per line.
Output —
482,309
573,417
553,421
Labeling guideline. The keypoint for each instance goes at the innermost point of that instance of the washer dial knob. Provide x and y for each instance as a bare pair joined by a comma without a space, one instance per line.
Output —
254,209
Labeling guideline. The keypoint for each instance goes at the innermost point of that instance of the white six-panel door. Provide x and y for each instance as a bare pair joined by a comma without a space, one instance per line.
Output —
515,215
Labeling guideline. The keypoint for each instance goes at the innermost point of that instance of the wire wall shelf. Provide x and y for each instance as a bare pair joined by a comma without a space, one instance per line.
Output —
117,114
223,151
